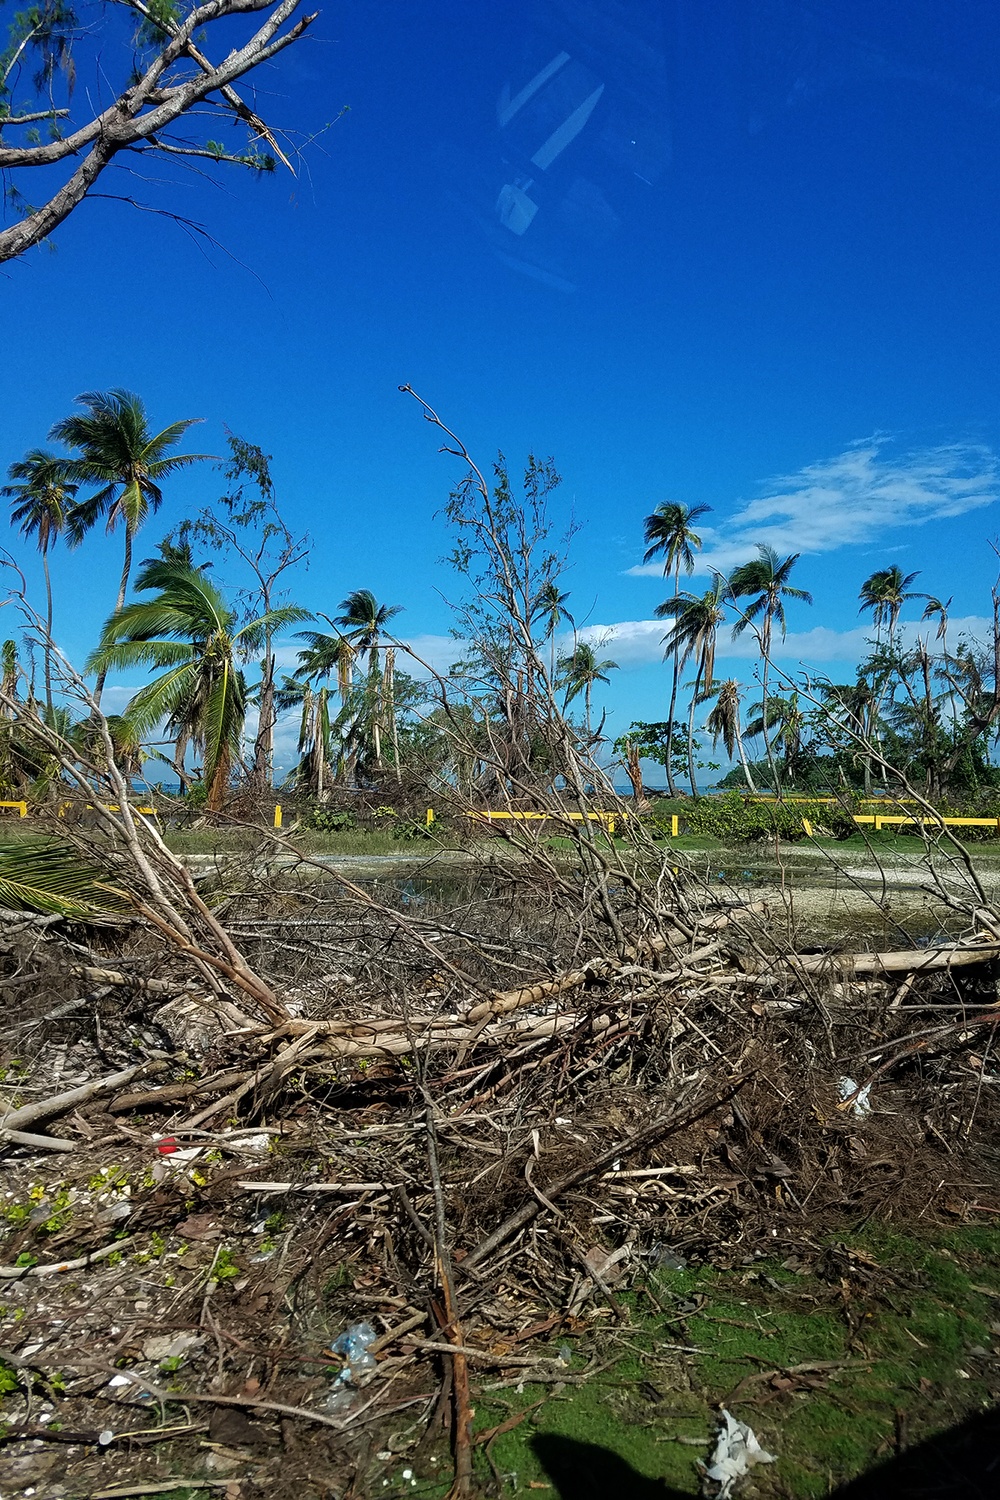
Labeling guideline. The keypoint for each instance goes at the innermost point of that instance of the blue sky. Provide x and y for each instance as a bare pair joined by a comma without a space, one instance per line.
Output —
761,276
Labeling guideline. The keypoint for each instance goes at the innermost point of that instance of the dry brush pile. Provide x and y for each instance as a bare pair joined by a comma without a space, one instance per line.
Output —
293,1106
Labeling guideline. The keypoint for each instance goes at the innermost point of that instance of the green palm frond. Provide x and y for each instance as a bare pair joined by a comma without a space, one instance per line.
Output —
44,876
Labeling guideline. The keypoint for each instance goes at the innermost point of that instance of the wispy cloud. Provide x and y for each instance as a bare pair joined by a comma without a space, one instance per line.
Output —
635,643
851,499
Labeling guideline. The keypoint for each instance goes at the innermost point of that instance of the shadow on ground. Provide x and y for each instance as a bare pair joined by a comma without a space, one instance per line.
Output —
962,1463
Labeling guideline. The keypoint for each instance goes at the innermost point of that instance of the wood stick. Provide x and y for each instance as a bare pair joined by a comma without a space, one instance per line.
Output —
39,1142
905,961
59,1104
677,1120
14,1273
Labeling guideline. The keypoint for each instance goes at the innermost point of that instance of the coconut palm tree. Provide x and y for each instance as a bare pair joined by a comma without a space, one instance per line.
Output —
323,656
188,632
668,534
724,721
115,449
695,634
550,609
314,729
787,719
936,607
42,494
885,593
363,620
579,671
765,581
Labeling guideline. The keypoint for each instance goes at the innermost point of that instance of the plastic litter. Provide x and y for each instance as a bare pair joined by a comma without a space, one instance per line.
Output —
665,1259
862,1105
354,1344
736,1452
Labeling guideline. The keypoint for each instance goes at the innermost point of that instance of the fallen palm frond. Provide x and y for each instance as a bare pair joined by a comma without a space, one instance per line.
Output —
44,876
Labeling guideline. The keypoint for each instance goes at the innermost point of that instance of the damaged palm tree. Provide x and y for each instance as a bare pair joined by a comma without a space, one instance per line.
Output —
133,860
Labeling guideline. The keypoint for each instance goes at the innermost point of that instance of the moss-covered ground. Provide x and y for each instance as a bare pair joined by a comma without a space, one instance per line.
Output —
838,1359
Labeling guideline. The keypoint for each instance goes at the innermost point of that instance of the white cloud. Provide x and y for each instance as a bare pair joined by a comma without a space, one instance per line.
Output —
851,499
115,697
635,643
439,652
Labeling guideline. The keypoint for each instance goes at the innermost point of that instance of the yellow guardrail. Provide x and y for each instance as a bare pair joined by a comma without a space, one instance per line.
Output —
607,818
24,809
878,820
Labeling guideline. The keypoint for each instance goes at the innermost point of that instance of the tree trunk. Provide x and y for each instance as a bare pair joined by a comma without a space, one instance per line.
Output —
122,591
671,788
694,702
220,781
48,632
390,703
180,750
319,742
743,755
766,643
260,774
375,695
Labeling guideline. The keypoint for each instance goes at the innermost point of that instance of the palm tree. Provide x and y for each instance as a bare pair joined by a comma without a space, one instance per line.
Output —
695,633
115,449
314,729
669,535
936,607
363,620
766,578
188,633
787,719
579,671
724,721
42,493
323,656
884,593
550,608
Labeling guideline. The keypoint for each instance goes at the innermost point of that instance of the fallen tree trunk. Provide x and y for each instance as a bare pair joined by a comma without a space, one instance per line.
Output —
905,961
59,1104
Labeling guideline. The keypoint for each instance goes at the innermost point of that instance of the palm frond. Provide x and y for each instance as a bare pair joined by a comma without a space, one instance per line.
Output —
45,876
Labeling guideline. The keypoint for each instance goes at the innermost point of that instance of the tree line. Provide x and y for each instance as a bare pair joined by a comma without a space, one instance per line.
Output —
928,710
211,655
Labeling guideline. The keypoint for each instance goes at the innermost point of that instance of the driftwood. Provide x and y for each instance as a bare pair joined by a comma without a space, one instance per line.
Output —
11,1124
905,961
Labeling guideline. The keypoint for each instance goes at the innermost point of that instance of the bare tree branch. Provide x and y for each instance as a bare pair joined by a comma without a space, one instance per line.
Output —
150,105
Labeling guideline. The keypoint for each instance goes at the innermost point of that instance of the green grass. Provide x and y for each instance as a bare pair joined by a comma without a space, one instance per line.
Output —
899,1314
309,841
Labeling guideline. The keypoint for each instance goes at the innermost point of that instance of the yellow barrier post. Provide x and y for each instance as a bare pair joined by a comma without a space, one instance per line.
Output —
430,816
277,815
675,824
808,827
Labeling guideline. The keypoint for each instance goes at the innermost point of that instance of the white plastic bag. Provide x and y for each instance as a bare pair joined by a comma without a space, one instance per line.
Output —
736,1452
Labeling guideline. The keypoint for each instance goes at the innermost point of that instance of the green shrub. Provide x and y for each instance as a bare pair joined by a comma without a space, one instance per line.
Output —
328,820
733,817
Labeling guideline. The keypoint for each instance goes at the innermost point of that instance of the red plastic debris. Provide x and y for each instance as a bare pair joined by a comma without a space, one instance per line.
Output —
167,1146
